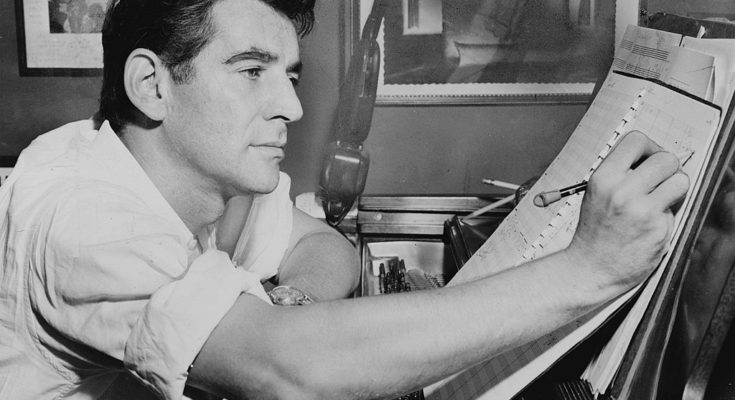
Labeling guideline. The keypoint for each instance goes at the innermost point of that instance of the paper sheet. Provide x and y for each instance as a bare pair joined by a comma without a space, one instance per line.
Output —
660,55
603,368
674,121
723,51
645,52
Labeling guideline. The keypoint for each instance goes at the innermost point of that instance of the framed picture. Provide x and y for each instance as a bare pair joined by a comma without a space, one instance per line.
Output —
716,10
493,51
60,37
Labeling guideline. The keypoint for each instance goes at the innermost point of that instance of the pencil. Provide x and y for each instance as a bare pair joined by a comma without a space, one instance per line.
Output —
491,206
544,199
495,182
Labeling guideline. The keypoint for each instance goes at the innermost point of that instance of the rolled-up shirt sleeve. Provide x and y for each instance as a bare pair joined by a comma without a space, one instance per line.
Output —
115,285
180,316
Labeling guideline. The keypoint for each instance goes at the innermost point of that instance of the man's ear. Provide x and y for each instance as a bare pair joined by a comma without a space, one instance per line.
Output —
145,76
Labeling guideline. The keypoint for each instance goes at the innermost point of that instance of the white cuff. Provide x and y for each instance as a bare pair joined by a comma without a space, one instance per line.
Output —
179,318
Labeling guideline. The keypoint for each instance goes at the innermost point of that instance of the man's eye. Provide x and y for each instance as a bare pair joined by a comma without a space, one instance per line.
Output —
294,80
252,72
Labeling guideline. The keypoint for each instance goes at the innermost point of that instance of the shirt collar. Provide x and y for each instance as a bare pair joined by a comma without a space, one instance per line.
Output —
109,150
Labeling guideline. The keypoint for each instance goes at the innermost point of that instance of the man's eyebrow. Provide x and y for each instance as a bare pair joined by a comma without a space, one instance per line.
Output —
262,56
253,54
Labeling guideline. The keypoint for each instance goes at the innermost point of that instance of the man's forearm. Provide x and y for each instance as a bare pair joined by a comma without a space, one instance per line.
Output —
416,339
383,345
322,264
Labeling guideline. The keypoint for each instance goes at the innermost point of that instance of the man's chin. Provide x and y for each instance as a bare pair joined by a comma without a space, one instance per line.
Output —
261,187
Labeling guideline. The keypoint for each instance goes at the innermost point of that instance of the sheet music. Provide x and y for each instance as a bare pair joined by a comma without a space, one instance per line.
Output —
660,55
602,369
645,52
674,121
524,224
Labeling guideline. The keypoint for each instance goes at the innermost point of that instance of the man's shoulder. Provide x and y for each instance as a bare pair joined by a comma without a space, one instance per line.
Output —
74,194
53,147
86,177
89,212
68,132
62,163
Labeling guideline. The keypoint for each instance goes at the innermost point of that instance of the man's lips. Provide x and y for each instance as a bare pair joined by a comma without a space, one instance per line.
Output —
276,148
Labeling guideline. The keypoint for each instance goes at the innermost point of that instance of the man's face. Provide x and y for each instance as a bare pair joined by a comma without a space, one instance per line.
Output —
228,125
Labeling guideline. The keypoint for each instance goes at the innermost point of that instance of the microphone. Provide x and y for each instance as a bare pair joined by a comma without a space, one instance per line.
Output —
346,162
343,178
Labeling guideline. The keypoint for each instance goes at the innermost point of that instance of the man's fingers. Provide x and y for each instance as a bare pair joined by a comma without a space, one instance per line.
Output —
652,171
670,191
638,166
630,150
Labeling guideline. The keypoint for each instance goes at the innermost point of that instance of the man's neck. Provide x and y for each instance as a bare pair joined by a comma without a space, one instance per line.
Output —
196,204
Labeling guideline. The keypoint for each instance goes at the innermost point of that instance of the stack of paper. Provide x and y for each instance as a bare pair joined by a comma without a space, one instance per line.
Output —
676,121
710,64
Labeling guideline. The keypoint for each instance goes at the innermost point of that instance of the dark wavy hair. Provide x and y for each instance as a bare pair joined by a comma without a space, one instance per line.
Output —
176,30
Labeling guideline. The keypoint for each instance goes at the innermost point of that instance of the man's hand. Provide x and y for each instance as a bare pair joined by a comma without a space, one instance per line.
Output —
626,220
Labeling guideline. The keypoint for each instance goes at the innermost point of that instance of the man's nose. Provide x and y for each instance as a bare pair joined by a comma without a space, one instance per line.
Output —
285,104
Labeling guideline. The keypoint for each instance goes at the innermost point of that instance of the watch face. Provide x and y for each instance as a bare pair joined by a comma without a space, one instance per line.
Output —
288,296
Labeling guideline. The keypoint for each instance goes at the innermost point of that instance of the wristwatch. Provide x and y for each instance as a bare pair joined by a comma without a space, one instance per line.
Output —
288,296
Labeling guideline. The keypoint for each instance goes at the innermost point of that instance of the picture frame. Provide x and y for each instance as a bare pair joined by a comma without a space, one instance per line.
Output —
714,10
504,63
60,37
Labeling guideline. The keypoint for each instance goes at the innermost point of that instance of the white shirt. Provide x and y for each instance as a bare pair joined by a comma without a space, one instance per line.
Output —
101,276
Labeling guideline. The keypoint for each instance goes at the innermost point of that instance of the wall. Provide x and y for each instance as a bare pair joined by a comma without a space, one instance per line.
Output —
33,105
422,150
414,150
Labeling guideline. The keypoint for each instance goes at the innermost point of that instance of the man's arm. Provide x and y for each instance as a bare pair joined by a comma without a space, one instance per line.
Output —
319,260
385,345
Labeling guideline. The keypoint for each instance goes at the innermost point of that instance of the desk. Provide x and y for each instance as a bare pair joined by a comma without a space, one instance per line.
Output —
417,230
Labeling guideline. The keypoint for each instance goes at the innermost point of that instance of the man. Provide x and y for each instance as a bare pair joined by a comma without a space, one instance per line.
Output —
105,280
